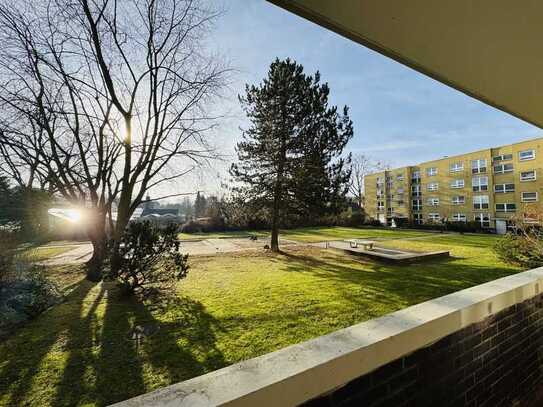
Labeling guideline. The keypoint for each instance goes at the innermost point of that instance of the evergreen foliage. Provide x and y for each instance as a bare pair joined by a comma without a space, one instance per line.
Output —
290,158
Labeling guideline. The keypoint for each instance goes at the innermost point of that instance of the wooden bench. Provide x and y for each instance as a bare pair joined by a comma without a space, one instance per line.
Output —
366,244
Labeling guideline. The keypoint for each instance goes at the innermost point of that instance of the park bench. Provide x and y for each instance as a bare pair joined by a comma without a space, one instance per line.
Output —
366,244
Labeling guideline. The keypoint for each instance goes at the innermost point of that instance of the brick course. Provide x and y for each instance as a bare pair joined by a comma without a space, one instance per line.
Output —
496,362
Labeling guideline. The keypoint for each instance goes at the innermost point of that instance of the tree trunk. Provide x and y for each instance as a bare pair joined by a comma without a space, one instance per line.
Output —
96,262
275,228
277,197
98,237
120,226
123,209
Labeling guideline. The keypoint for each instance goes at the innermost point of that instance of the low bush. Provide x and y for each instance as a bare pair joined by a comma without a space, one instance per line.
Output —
192,226
8,246
461,227
150,258
356,219
373,223
522,250
25,294
401,222
212,224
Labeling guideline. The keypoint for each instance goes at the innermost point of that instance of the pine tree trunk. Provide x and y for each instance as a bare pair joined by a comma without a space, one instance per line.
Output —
277,197
274,245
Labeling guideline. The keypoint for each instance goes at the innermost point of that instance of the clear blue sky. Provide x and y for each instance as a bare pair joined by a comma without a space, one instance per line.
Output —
399,115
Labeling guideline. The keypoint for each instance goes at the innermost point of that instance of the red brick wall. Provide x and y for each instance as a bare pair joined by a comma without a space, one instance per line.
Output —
497,362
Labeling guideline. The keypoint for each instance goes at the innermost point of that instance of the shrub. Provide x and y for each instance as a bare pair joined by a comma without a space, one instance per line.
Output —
373,222
212,224
150,258
26,294
522,250
192,226
8,246
401,222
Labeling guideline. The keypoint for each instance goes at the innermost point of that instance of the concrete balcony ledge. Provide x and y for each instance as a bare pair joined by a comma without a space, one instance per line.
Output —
304,371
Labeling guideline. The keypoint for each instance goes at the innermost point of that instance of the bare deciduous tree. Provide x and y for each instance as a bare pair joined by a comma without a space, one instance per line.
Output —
362,165
106,99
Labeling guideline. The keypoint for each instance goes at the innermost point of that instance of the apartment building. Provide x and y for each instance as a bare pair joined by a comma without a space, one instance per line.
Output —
486,186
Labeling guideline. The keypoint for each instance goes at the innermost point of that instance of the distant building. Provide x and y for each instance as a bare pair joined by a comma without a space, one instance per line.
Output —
486,186
159,211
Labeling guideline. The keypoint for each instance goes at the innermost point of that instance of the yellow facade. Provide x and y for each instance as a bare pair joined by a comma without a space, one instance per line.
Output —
488,186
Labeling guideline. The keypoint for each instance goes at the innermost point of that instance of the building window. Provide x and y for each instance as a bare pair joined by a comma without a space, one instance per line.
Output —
415,190
458,200
527,175
401,202
506,207
380,205
417,204
433,186
400,190
434,217
504,188
503,157
478,166
399,177
526,155
431,171
415,175
483,219
457,183
417,217
479,184
433,201
480,202
380,193
456,167
503,168
529,196
459,217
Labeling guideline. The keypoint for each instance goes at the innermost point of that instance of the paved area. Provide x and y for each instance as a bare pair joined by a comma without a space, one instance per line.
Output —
83,250
205,247
80,254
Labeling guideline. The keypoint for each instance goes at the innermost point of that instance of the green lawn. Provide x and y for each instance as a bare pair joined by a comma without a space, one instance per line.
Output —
315,234
222,235
339,233
229,308
44,252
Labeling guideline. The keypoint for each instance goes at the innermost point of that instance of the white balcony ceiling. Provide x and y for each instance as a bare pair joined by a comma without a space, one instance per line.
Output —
491,50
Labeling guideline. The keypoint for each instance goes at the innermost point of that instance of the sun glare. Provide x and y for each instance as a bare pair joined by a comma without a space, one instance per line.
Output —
70,215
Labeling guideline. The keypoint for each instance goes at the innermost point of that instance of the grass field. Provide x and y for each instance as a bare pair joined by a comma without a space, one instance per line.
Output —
42,253
313,234
229,308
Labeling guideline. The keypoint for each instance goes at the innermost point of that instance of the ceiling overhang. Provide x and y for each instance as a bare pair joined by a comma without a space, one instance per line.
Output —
491,50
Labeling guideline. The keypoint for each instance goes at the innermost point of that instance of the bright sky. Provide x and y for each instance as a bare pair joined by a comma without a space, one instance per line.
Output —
399,115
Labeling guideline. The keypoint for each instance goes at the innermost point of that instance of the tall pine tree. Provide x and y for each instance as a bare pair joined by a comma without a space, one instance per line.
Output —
289,159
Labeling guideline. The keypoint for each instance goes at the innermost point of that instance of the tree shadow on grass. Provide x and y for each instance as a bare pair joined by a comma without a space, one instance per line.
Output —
27,350
393,284
174,339
85,351
133,348
81,341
